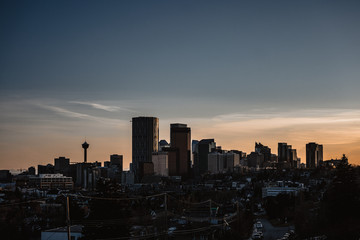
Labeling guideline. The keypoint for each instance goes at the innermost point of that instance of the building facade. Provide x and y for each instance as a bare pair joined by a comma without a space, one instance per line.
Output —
264,150
61,165
161,161
145,141
52,181
222,162
116,161
180,138
287,156
204,147
314,155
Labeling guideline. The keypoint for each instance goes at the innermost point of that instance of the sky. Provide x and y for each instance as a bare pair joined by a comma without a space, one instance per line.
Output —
236,71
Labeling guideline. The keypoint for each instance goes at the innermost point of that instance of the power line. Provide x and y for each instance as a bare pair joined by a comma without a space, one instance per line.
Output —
19,203
117,199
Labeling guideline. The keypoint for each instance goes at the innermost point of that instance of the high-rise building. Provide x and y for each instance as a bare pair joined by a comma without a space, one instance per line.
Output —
161,163
194,146
255,160
163,144
145,141
87,174
117,160
287,157
204,147
61,165
222,162
283,152
45,169
264,150
180,138
173,157
314,155
215,162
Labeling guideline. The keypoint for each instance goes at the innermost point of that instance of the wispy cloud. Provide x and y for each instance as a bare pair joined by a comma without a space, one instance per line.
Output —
328,125
72,114
308,116
103,107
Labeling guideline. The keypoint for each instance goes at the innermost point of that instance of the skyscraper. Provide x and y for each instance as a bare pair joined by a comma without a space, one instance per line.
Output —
61,165
264,150
282,152
204,147
180,138
314,155
287,157
145,141
117,160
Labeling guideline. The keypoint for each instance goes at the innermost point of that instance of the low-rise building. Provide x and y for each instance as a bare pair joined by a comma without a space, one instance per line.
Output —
51,181
274,189
61,233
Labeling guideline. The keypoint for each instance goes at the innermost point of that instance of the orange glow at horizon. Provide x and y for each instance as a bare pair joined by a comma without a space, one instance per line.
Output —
338,136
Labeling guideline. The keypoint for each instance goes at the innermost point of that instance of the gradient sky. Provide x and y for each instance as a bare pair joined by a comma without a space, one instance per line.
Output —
236,71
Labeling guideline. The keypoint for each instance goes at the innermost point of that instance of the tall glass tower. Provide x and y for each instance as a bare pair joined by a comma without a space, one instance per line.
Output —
145,141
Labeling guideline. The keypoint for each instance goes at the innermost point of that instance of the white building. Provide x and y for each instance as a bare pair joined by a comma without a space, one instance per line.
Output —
52,181
272,190
61,233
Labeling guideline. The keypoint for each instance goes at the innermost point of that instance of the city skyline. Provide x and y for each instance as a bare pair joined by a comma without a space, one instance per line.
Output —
238,72
274,150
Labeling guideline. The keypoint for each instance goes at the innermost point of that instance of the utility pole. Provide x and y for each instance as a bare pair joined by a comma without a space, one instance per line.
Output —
210,211
68,217
238,212
166,228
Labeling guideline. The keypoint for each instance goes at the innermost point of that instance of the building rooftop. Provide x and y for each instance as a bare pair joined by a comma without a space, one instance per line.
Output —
73,228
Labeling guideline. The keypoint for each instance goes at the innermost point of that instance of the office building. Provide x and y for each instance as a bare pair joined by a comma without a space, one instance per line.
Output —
264,150
51,181
172,162
145,141
160,161
87,175
127,178
287,157
163,143
222,162
116,161
204,147
255,160
283,155
215,162
314,155
45,169
180,138
294,160
61,165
